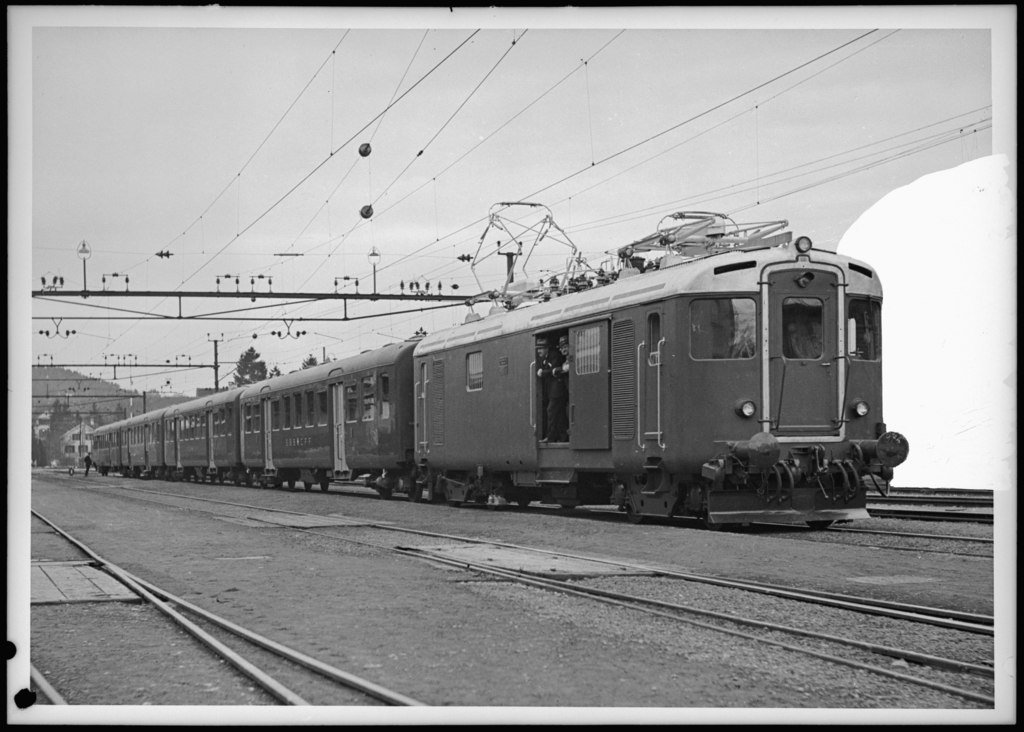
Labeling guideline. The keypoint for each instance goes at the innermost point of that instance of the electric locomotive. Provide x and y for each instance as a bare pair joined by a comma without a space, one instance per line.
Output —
727,373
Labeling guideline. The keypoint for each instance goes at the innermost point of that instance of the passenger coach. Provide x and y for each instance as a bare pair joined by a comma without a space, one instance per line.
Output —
339,420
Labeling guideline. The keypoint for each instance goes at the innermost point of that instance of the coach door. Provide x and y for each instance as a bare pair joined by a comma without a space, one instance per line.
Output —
209,440
805,365
338,420
268,429
588,387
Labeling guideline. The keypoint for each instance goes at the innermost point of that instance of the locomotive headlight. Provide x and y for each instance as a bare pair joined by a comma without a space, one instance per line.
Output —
860,408
803,244
746,408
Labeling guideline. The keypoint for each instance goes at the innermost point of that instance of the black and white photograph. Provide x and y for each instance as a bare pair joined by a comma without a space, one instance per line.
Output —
511,366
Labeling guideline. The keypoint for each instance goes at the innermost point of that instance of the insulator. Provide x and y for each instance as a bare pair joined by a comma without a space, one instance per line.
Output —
365,149
366,211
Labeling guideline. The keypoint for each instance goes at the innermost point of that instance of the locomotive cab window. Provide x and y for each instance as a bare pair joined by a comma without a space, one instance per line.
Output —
723,328
801,327
475,371
864,330
587,356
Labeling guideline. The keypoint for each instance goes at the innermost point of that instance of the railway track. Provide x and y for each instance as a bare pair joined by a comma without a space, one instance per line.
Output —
925,515
199,623
964,678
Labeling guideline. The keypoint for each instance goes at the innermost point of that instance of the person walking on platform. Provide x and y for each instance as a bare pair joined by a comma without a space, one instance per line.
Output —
88,463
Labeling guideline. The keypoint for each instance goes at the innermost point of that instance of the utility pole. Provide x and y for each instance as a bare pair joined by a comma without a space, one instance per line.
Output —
216,363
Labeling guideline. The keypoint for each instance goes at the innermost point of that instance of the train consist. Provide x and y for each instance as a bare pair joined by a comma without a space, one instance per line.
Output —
720,371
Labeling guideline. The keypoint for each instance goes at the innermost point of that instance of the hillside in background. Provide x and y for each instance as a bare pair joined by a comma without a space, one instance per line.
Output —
59,390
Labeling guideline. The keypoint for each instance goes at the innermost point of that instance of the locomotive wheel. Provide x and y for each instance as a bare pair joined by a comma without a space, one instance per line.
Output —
711,525
307,484
632,516
325,483
416,492
291,484
819,525
385,493
523,501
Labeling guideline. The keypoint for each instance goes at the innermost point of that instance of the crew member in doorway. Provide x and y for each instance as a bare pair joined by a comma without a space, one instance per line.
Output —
559,416
549,363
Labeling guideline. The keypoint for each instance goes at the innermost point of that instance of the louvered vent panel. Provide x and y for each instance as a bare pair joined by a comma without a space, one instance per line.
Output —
623,380
437,403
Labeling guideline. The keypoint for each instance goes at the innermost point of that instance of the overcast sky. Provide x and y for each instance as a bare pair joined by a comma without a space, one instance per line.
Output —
235,149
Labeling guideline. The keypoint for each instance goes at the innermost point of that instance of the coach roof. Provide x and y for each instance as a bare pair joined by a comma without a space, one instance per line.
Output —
331,371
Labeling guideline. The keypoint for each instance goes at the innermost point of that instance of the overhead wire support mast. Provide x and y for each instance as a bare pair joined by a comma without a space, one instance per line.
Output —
252,296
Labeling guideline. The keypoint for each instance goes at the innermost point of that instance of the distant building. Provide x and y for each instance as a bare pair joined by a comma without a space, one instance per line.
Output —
74,444
42,425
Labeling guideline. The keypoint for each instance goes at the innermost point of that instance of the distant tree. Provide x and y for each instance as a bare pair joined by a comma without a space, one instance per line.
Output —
309,362
249,369
40,456
275,372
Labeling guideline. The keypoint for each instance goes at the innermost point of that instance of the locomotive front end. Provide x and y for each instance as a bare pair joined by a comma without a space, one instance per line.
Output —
821,444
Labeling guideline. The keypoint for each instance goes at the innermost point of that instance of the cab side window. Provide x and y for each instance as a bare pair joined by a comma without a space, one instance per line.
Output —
864,330
723,328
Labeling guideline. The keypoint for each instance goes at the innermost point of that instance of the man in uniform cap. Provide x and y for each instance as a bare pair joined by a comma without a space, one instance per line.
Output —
554,387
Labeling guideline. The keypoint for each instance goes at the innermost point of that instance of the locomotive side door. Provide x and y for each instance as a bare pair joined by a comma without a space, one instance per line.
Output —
804,366
338,420
589,395
649,369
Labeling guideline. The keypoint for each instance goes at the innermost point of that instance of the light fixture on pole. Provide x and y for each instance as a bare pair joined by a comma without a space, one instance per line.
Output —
374,258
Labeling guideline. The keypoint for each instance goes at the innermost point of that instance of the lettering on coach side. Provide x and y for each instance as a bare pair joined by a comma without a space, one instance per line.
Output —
298,441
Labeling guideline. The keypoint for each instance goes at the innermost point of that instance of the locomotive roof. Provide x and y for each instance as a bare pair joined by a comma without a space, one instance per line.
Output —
384,356
675,276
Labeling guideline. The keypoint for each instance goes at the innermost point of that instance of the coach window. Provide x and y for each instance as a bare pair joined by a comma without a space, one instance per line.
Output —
321,412
474,371
369,399
298,409
864,330
310,409
257,409
351,403
275,415
248,418
801,327
287,399
723,328
385,396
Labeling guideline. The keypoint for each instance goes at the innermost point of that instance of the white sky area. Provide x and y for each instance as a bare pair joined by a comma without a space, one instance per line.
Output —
228,137
950,363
